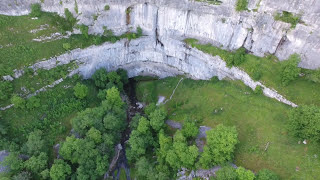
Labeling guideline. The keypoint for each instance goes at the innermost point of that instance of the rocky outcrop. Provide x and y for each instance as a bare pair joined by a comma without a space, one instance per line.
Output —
220,25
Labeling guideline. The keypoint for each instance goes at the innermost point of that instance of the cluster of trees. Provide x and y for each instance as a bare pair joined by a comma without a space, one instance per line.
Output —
149,138
230,173
86,154
304,122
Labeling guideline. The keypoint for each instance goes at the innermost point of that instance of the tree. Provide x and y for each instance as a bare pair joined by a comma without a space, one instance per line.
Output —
239,57
35,10
66,46
157,118
289,69
113,99
138,144
13,162
100,78
18,102
123,75
94,135
304,122
190,129
244,174
80,90
143,126
6,90
22,176
35,144
37,164
145,169
60,170
87,119
266,174
220,146
226,173
33,102
150,108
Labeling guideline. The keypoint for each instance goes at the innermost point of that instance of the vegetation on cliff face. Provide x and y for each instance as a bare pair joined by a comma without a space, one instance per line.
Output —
283,76
288,17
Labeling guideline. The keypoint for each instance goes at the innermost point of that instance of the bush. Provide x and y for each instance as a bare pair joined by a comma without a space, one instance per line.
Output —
18,102
6,90
66,46
107,7
258,90
226,173
266,174
288,17
289,69
72,20
244,174
80,90
239,57
33,102
314,76
139,31
242,5
304,122
84,30
35,10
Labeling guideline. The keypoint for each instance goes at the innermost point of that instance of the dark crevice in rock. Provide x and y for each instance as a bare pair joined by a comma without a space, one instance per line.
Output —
281,42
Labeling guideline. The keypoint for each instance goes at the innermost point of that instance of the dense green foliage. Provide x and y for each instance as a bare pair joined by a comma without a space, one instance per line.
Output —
242,5
227,173
288,17
84,30
304,122
35,10
106,7
290,70
244,174
220,146
103,79
80,90
266,174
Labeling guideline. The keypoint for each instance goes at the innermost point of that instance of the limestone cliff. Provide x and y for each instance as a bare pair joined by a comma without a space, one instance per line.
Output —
221,25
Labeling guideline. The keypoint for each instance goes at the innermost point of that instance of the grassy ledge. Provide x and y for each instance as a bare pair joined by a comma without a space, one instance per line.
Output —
268,70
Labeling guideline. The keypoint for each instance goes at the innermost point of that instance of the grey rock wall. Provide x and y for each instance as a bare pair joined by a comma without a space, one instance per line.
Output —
220,25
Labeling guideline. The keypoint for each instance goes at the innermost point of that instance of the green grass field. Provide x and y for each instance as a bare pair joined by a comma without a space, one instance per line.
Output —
300,91
258,119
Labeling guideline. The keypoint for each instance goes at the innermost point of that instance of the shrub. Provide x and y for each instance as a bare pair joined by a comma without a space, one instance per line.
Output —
226,173
84,30
289,69
314,76
33,102
239,57
6,90
18,102
80,90
288,17
139,31
35,10
304,122
242,5
66,46
72,20
244,174
258,90
107,7
266,174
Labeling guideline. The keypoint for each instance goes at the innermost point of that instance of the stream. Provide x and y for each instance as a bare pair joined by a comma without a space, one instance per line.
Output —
122,162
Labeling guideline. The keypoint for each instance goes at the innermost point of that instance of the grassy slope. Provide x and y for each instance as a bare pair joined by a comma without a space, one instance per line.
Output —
300,91
258,120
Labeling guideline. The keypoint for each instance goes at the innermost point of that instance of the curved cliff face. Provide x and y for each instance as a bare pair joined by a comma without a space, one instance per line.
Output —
220,25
